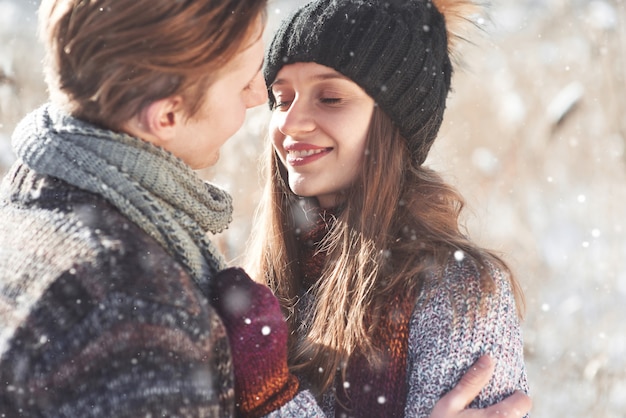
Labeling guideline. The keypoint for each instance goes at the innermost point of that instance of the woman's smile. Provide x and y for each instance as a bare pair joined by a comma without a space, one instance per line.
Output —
301,154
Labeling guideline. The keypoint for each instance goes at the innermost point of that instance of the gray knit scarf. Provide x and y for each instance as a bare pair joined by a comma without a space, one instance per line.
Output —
149,185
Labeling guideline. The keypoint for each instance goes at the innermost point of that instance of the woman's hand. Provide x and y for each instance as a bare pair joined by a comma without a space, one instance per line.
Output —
455,402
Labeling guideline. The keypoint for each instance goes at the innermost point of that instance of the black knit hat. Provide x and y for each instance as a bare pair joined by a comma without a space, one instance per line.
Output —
396,50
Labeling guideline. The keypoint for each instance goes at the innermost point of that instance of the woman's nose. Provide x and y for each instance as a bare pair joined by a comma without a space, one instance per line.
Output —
297,119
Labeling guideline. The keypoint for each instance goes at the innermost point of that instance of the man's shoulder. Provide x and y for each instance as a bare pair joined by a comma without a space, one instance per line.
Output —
83,257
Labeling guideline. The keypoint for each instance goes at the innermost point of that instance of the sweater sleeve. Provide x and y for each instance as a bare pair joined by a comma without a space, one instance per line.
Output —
454,323
303,405
121,355
106,324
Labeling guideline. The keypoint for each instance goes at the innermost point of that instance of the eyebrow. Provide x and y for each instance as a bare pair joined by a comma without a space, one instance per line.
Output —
318,77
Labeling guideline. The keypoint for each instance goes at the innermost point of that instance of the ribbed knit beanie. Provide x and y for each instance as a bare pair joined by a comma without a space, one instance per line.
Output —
396,50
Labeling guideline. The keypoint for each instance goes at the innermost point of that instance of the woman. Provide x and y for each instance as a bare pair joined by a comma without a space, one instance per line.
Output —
387,301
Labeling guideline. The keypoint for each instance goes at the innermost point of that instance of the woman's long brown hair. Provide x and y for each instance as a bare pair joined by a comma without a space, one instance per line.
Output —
399,222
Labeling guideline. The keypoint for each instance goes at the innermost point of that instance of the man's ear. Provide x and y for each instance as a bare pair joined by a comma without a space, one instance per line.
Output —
158,122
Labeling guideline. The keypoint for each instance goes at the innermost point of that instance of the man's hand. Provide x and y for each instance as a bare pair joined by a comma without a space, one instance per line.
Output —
455,402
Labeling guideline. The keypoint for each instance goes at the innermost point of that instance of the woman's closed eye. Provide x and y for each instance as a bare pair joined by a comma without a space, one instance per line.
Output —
282,104
331,100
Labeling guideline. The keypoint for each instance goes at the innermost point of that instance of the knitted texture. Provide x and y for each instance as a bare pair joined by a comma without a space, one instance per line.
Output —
432,340
448,331
396,50
152,187
96,318
104,269
455,322
388,376
303,405
257,332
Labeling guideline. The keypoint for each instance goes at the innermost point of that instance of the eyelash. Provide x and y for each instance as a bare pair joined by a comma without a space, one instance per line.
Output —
324,100
278,105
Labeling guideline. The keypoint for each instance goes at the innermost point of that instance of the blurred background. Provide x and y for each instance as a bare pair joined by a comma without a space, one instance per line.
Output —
535,139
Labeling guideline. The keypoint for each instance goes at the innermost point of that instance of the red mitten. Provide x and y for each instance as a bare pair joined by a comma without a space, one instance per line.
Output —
257,333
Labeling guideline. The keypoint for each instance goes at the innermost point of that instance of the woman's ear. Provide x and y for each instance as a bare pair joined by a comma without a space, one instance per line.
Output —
158,122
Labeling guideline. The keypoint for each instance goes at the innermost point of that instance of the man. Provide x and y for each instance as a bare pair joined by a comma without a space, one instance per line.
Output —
104,255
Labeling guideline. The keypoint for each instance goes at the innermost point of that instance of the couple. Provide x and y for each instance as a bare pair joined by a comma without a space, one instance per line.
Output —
113,300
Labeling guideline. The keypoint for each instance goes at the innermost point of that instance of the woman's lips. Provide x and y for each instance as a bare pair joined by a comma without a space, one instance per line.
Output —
301,154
